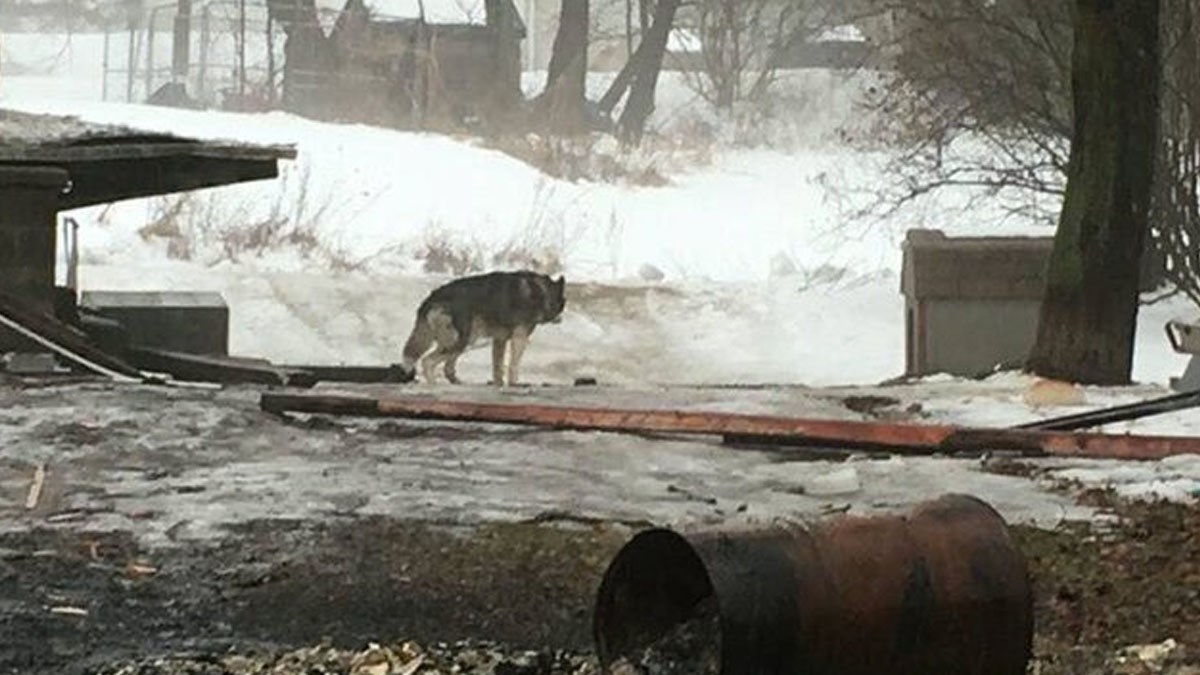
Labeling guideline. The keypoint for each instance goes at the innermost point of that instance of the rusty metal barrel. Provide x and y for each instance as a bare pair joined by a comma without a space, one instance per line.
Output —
940,590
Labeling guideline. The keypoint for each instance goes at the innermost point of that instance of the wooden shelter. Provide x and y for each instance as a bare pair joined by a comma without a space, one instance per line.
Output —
971,303
402,70
50,164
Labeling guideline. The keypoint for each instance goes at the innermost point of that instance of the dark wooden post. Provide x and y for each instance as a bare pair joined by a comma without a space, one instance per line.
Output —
28,233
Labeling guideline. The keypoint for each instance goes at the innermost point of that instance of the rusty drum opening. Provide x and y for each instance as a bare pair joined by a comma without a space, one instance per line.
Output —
942,589
655,584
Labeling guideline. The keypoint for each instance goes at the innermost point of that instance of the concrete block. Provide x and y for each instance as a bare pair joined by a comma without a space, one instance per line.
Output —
188,322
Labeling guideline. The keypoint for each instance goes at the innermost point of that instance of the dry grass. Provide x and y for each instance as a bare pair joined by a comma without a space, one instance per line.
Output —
211,228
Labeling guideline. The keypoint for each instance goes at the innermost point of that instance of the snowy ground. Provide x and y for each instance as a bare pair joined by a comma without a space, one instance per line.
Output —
170,465
767,280
766,274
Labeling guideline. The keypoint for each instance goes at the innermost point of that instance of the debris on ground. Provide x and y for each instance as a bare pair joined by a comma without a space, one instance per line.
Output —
1052,393
1131,582
405,658
1164,657
35,488
692,647
871,406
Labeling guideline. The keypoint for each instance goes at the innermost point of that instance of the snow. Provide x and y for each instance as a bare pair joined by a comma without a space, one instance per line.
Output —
151,449
384,191
22,129
1175,478
436,11
684,41
767,279
846,33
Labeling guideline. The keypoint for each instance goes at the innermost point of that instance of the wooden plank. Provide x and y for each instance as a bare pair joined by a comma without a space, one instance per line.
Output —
105,151
394,374
63,339
201,368
903,439
35,488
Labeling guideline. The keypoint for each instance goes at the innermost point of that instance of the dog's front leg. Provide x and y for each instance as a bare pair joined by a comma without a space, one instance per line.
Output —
520,340
498,346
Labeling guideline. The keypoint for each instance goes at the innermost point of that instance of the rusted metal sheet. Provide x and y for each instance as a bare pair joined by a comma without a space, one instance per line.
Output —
942,590
912,439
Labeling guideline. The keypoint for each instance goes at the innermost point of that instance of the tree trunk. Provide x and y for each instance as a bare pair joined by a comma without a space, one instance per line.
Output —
506,61
1089,312
645,74
566,82
621,82
628,29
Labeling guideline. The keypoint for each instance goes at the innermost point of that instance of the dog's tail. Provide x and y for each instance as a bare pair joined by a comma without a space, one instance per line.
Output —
418,344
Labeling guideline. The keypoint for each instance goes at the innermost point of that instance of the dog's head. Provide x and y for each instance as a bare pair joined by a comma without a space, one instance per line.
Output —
554,299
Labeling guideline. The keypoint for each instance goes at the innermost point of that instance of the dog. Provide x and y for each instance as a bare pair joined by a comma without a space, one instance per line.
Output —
503,306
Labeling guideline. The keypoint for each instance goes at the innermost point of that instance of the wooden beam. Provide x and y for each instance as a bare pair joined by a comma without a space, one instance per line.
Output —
901,439
393,374
221,369
97,182
63,339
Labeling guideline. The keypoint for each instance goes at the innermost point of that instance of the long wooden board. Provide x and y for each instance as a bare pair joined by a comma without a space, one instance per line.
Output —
910,439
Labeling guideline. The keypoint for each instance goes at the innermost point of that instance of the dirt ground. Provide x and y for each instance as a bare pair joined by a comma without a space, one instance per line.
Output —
86,592
277,586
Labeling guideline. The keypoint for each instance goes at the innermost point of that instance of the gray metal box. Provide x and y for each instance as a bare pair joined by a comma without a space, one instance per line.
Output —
189,322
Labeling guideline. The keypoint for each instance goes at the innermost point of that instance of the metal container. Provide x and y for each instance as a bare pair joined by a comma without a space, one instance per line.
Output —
941,590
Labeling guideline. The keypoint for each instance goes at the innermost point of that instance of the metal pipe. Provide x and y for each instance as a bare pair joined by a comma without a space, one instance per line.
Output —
105,66
131,67
182,41
941,590
241,52
150,53
270,60
71,246
531,34
201,76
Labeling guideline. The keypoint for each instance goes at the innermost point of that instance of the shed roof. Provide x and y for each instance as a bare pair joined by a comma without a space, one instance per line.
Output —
937,266
110,162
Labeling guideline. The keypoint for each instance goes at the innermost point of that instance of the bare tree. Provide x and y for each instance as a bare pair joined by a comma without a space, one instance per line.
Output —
742,42
1174,245
564,98
640,75
999,74
1089,313
505,95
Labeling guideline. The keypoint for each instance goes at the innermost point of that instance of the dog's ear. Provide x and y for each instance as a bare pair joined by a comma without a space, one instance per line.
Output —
560,281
